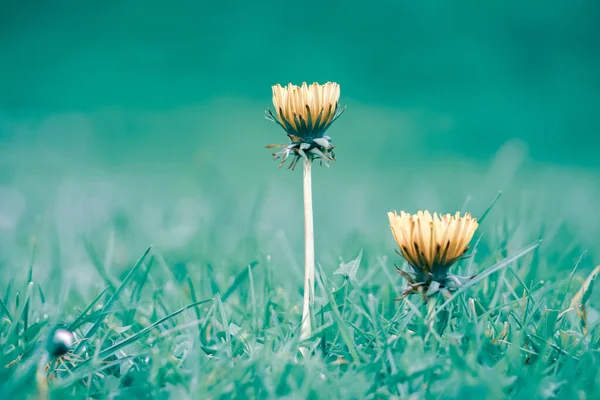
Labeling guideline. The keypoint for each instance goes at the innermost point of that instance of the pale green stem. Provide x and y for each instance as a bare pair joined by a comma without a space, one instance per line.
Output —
309,251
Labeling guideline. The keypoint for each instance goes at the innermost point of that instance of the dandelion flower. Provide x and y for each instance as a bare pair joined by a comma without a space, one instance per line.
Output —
59,342
431,244
305,112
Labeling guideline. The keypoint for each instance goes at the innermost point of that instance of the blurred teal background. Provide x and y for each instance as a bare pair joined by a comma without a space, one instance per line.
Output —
135,122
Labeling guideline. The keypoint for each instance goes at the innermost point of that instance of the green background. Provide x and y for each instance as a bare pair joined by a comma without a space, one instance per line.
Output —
138,122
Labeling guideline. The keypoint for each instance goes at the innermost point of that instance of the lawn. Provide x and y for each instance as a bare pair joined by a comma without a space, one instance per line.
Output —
151,327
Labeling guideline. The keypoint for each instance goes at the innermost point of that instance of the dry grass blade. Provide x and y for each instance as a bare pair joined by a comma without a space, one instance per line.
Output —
585,288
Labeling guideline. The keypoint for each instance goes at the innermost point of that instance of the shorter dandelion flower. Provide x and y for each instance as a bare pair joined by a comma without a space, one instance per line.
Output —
58,345
431,244
305,112
59,342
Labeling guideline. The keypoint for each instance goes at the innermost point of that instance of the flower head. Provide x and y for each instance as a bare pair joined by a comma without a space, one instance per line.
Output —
431,244
305,112
59,342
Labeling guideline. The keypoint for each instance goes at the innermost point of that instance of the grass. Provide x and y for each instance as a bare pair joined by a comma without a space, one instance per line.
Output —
171,330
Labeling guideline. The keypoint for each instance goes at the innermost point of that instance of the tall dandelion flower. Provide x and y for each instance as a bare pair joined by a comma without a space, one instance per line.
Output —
305,113
431,244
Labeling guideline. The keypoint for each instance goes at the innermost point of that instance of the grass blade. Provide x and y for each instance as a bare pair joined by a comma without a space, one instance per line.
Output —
15,323
117,346
111,300
507,261
193,294
489,208
81,316
91,252
28,301
5,310
240,277
338,317
224,320
253,300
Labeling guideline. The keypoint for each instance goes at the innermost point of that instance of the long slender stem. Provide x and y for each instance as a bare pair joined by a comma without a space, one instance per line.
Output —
309,251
